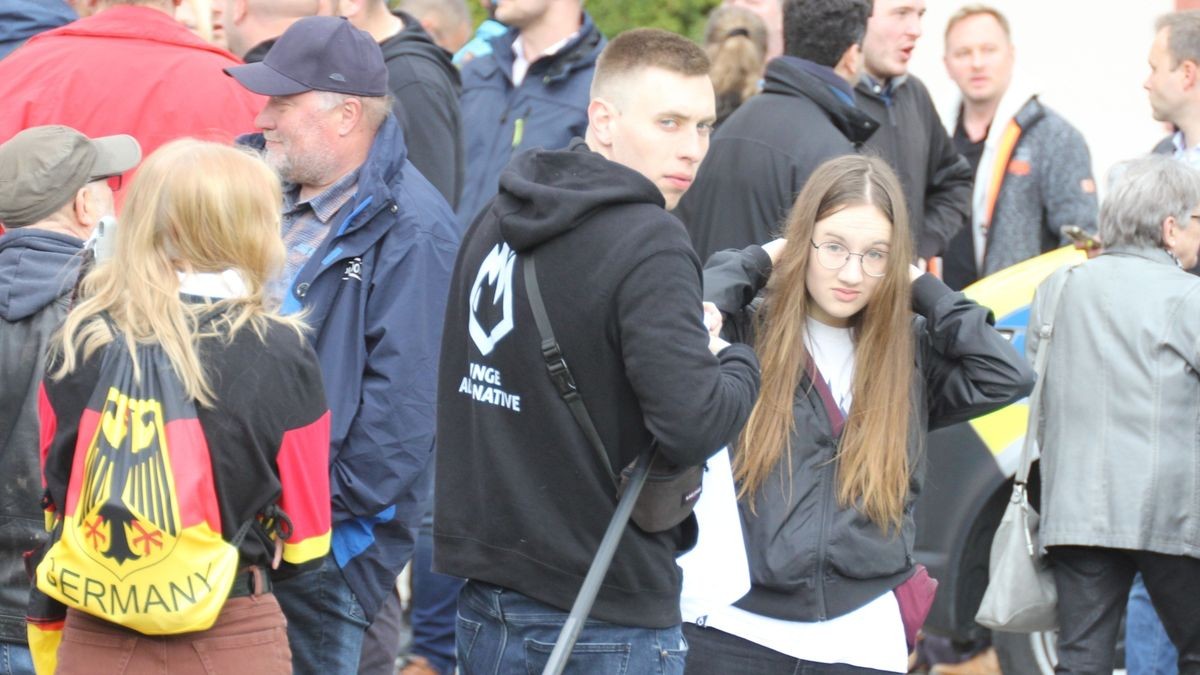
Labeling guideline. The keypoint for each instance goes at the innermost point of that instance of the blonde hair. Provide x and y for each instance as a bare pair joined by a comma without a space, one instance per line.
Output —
193,206
736,42
872,459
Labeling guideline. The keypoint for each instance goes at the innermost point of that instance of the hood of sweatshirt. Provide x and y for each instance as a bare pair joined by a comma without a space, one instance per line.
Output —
793,76
544,193
414,41
36,268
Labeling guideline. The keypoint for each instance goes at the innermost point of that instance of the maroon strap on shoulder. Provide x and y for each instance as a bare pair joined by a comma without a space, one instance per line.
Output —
836,419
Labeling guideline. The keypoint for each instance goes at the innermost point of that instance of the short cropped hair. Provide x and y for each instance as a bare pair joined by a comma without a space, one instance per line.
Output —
1144,192
976,9
1183,35
646,48
822,30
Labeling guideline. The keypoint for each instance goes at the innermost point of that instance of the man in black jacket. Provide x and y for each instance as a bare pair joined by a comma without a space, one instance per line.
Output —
936,179
763,154
522,498
425,86
53,193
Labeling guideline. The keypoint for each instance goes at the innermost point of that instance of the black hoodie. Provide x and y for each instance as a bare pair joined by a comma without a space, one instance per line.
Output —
425,86
521,498
763,154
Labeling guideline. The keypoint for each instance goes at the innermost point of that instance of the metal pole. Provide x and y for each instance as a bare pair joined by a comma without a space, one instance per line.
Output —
591,583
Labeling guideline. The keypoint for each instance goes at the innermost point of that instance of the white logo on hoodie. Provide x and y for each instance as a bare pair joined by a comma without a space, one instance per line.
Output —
496,271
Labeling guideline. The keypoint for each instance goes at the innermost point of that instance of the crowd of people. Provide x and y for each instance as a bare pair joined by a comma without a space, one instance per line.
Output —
268,297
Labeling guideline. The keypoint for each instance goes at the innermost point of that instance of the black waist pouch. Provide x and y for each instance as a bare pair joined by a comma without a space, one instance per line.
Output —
667,498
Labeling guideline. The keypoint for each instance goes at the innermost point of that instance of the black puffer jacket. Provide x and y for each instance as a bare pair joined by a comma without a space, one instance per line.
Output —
811,559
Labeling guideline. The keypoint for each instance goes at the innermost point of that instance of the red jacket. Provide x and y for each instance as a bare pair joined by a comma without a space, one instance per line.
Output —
126,70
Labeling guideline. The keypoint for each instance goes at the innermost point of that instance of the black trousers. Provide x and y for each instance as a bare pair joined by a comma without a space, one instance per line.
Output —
715,652
1093,590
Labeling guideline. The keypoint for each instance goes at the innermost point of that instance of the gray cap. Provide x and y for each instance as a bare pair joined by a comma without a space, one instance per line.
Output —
42,168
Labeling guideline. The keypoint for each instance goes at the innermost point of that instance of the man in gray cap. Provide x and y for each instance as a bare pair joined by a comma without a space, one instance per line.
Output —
370,246
53,192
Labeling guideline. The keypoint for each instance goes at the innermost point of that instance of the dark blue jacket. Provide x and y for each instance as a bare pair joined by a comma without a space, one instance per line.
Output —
374,293
546,111
22,19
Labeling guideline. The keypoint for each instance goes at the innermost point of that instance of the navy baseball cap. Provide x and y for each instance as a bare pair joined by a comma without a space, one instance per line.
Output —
318,53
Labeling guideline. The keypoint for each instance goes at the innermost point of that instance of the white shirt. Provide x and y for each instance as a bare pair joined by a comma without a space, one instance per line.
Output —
220,285
871,636
832,350
521,64
1190,156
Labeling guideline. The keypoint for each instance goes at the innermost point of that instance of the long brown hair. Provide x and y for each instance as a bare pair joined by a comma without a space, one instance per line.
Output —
872,460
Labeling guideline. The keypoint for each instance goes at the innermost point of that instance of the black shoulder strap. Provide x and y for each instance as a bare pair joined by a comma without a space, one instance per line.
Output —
557,366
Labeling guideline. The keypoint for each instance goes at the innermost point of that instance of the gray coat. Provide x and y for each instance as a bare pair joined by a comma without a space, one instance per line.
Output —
1048,184
1121,402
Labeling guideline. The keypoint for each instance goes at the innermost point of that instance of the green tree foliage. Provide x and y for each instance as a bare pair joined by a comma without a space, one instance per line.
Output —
685,17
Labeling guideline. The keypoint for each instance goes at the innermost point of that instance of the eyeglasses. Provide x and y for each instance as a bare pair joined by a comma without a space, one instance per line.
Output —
114,182
833,256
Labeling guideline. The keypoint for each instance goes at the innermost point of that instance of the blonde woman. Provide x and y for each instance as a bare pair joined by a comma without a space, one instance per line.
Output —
861,354
185,292
735,40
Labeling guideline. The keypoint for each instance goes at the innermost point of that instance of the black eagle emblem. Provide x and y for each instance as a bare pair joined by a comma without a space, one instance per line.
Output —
127,477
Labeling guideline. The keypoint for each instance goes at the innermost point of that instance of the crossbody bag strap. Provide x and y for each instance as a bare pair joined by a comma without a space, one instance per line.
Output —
1045,331
560,374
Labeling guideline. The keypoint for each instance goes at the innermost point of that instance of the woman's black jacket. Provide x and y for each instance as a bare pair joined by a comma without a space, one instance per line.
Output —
810,558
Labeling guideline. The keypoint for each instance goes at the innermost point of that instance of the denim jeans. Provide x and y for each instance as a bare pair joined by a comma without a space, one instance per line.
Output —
15,659
325,623
501,631
434,604
1148,650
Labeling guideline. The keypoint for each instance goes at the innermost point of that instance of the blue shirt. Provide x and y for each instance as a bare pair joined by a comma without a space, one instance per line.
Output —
306,224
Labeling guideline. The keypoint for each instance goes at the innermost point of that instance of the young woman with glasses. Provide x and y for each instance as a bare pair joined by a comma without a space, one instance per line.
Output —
861,354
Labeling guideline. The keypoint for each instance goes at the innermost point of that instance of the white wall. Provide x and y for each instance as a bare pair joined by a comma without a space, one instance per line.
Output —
1087,59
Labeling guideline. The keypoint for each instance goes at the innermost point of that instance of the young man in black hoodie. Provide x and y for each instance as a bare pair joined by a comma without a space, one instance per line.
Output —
522,499
806,114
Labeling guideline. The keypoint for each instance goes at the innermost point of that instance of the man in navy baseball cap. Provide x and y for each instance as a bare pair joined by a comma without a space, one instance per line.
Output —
318,53
370,245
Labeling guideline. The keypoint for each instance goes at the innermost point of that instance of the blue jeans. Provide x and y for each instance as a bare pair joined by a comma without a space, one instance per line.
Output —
434,604
15,659
325,623
501,631
1148,650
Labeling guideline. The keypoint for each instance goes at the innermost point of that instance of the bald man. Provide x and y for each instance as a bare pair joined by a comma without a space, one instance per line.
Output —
424,85
251,26
448,21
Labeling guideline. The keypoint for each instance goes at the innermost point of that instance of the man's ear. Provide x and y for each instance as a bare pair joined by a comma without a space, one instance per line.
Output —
239,12
849,66
90,207
602,116
350,115
1188,67
348,8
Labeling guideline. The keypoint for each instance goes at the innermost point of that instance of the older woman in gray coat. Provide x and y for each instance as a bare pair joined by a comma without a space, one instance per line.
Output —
1121,404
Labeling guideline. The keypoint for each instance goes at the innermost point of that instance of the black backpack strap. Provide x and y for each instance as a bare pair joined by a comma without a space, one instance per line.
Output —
560,374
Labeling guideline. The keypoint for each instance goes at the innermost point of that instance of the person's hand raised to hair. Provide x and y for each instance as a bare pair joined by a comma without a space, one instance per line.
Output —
774,249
